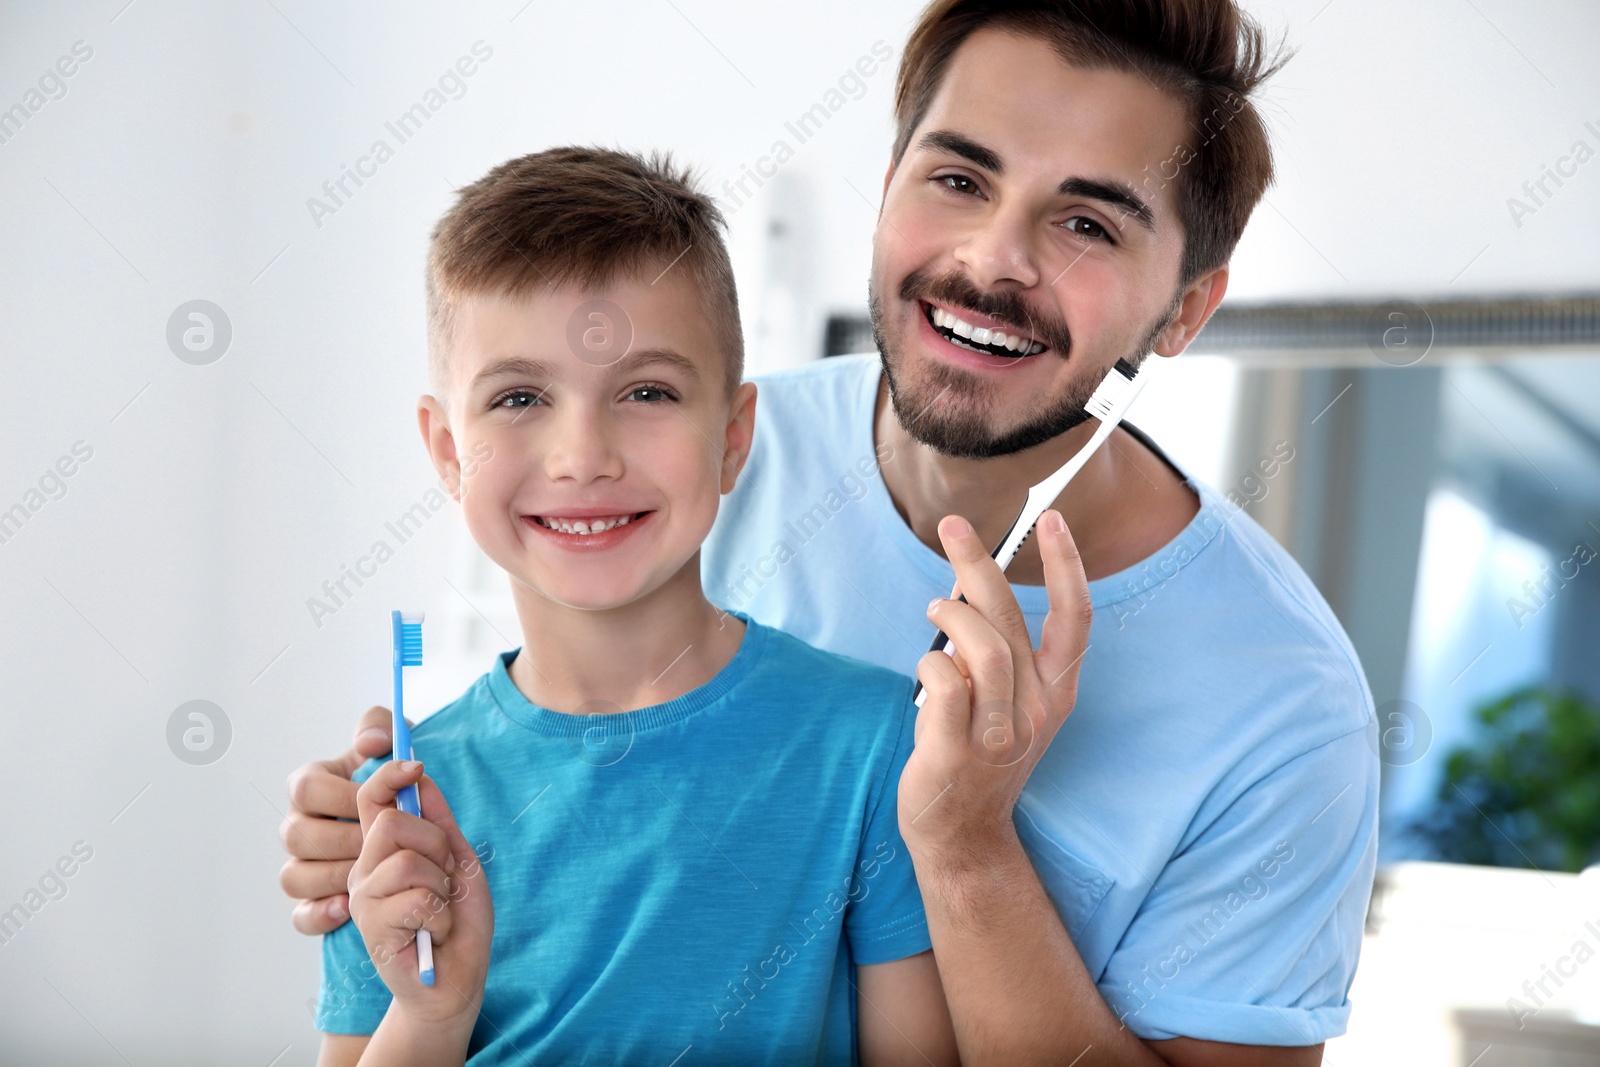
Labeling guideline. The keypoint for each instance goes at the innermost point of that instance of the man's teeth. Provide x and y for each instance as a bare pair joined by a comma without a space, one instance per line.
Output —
584,526
978,335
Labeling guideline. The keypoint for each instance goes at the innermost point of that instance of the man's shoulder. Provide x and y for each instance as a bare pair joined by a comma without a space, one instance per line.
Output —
793,397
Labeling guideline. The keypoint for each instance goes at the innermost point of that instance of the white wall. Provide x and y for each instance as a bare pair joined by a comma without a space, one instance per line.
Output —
179,561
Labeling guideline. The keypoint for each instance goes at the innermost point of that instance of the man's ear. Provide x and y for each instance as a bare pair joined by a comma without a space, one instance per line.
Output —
888,176
440,442
740,434
1199,301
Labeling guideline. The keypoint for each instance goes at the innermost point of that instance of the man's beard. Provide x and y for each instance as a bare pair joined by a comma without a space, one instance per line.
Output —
963,432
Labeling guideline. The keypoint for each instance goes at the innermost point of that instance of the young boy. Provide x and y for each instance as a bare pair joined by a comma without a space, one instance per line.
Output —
685,821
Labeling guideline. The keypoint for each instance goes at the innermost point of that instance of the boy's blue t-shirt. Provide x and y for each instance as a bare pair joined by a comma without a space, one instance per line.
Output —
703,873
1205,821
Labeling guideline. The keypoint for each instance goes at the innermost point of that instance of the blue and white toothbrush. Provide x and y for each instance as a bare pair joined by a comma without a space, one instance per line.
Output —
408,653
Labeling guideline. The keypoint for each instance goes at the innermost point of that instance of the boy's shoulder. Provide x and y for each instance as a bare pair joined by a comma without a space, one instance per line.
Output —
789,654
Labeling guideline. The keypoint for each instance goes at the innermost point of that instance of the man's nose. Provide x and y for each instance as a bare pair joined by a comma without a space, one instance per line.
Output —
999,250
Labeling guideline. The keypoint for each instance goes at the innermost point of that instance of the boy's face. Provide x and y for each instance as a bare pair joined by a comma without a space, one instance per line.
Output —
589,465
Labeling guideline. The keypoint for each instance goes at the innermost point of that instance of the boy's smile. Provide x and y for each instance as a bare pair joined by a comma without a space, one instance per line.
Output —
605,474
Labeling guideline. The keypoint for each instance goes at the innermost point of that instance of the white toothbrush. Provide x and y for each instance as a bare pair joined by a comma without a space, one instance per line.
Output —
1109,404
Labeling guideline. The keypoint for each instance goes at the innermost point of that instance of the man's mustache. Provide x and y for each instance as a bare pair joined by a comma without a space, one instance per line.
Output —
1002,305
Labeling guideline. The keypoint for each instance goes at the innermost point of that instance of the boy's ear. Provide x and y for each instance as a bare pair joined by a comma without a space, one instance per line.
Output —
440,442
740,433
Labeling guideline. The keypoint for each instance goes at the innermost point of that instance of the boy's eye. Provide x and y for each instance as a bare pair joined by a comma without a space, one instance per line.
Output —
518,399
1084,226
649,394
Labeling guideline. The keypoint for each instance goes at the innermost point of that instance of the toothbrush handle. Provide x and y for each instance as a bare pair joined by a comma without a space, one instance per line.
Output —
408,802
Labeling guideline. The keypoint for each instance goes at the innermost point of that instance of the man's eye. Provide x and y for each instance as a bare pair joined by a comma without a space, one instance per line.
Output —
958,183
1084,226
518,399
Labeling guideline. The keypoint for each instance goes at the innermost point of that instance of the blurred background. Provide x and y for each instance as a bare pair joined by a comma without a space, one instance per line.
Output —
212,320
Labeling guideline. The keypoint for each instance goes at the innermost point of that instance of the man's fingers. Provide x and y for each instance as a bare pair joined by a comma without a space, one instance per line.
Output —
946,714
983,583
374,734
324,789
314,881
986,655
1065,635
316,917
308,838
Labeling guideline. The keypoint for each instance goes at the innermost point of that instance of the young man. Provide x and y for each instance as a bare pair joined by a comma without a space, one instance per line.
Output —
1181,876
733,880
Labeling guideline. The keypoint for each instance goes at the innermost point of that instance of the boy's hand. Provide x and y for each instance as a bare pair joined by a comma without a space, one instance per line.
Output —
421,873
321,846
995,704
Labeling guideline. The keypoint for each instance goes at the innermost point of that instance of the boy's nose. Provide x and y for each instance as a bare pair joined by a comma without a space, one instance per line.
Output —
581,448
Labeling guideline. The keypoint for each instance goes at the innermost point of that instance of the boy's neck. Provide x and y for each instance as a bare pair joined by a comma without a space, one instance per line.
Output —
620,659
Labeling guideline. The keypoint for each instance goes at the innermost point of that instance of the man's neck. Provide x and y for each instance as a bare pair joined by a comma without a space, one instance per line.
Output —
1122,507
648,652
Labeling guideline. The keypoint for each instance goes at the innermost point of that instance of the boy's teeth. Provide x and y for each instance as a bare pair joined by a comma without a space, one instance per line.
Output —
585,526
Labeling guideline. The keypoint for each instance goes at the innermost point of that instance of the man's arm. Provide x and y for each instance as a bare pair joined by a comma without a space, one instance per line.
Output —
342,1050
901,1013
1017,989
322,848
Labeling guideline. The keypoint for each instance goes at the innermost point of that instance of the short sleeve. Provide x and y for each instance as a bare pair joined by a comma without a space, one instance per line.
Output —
884,919
1251,934
352,998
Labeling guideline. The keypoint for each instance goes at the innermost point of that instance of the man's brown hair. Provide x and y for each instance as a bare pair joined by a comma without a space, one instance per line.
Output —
584,217
1208,53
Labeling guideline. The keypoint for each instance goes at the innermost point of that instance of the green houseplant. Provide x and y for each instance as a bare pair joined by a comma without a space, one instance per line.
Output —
1525,791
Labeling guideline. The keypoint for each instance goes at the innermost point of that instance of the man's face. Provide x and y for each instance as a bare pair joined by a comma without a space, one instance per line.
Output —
1029,200
590,476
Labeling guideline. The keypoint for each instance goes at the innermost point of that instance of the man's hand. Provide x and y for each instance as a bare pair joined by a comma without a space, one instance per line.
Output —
322,849
420,873
994,706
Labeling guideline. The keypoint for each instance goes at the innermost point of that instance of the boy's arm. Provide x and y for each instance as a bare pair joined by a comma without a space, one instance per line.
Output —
902,1015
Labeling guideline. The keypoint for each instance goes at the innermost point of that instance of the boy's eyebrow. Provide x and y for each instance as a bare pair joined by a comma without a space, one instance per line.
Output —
540,370
1108,190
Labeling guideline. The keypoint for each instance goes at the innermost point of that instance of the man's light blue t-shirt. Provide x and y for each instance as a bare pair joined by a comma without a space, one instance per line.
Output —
1206,819
705,872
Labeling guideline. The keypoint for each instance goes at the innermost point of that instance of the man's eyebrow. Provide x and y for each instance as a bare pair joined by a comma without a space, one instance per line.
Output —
540,370
1111,191
958,144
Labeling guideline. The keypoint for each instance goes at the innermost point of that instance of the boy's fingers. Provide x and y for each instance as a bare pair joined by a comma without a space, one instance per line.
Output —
405,870
374,734
394,831
315,917
379,792
1065,634
397,919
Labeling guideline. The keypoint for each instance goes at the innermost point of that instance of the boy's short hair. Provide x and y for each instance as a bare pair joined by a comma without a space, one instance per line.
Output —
1209,53
585,217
